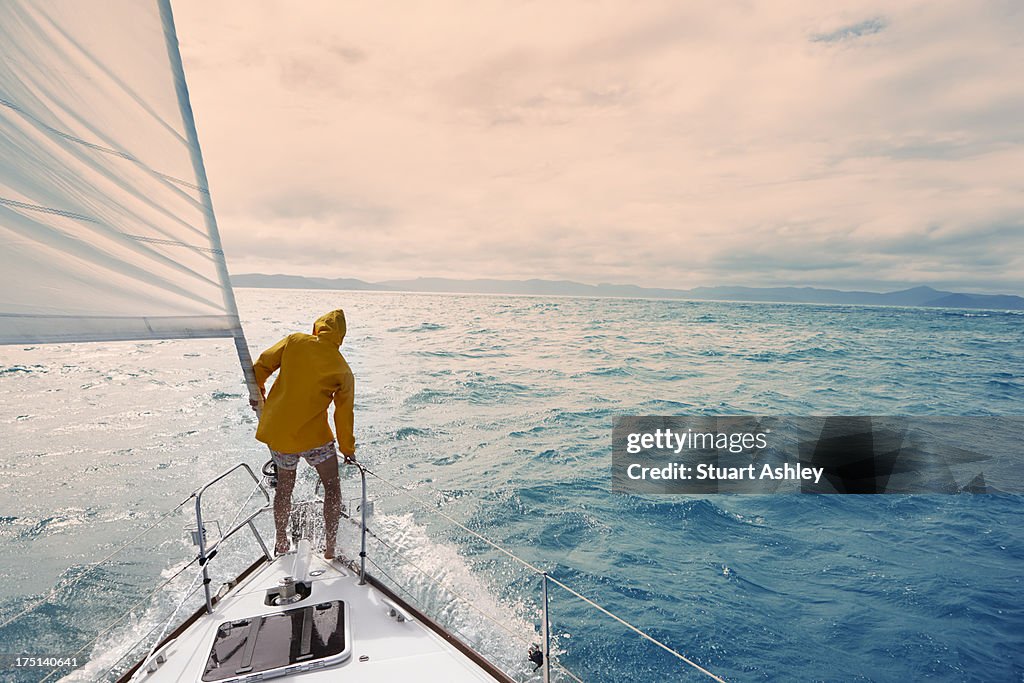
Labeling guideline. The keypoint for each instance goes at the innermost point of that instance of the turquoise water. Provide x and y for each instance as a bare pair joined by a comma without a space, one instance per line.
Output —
498,412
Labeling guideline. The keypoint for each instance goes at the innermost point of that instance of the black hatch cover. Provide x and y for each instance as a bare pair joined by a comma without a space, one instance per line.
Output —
271,641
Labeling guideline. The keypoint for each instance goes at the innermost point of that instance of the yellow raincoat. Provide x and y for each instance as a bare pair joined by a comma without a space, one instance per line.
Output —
313,373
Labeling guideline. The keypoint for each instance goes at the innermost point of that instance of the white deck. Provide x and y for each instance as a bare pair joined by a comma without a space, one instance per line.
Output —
393,650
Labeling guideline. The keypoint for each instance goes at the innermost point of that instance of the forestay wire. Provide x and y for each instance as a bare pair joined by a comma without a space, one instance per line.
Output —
539,571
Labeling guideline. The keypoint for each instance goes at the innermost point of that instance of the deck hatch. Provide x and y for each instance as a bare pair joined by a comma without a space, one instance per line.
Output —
311,637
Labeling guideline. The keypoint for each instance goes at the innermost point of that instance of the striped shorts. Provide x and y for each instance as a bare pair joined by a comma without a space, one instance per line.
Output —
314,456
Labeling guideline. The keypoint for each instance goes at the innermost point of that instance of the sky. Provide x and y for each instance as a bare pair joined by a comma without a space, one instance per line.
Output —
869,145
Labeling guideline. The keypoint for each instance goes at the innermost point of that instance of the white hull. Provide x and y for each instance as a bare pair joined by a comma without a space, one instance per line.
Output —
382,645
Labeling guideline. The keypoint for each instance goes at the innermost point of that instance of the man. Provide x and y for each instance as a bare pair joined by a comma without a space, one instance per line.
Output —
294,420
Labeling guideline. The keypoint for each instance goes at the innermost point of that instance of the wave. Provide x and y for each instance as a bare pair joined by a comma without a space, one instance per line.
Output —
129,640
537,454
610,371
406,433
470,354
224,396
422,327
430,396
23,369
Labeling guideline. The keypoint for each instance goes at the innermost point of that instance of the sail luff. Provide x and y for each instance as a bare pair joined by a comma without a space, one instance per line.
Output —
199,168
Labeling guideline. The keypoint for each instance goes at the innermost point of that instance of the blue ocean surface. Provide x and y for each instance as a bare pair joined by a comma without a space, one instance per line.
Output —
496,412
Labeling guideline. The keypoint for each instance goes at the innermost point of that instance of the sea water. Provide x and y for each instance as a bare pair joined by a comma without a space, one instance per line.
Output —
496,412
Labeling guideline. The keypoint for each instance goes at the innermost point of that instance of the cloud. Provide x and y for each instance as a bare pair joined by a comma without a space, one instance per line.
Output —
287,205
665,145
852,31
349,53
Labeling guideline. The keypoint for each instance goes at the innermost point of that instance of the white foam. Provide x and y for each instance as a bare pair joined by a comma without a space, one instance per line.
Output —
116,645
454,594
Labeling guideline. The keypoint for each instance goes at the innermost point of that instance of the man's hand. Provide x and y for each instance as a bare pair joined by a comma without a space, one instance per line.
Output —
256,404
350,458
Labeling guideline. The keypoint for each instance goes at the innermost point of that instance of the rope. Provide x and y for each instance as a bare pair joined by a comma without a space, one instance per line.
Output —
566,671
426,506
405,558
188,594
94,565
466,600
446,587
173,243
242,506
120,659
523,562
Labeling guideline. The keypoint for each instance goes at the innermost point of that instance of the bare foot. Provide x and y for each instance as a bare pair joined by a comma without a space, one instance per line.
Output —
329,553
282,547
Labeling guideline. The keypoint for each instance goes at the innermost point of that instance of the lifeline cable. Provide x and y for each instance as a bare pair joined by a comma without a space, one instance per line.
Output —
94,565
587,600
127,612
192,586
458,595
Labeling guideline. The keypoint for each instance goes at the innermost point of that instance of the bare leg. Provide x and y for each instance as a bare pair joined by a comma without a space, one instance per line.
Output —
328,471
282,508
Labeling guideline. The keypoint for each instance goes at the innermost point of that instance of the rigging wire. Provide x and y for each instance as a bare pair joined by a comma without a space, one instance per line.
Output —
630,626
192,587
455,522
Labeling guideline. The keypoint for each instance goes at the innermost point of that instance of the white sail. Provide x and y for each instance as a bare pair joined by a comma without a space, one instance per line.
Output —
106,227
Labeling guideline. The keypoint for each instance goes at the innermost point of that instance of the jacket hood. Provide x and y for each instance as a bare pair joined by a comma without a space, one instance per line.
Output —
331,327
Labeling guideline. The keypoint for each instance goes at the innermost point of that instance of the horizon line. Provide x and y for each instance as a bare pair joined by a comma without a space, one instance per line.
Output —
833,288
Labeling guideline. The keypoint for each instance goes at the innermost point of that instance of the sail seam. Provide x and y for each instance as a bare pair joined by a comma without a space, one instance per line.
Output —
89,219
100,148
46,209
173,243
117,317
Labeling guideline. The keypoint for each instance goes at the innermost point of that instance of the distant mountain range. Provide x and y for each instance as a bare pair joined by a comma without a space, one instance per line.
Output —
916,296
